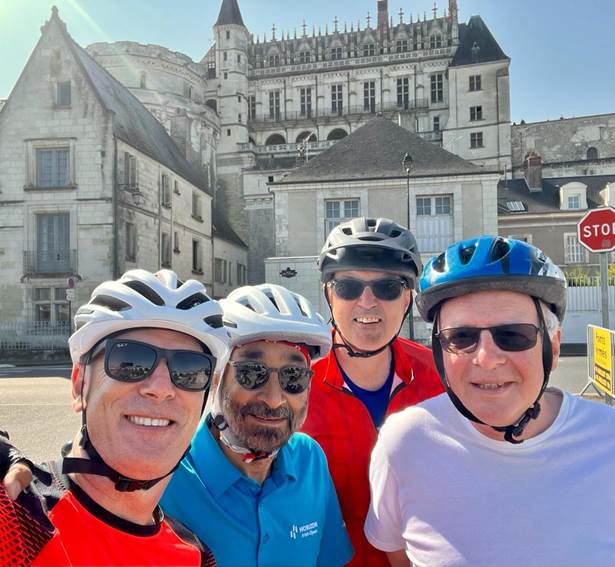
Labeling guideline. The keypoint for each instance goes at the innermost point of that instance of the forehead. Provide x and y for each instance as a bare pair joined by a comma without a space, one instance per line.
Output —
363,274
164,338
263,350
486,308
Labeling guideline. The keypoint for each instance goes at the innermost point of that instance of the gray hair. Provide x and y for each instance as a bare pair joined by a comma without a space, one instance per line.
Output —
551,320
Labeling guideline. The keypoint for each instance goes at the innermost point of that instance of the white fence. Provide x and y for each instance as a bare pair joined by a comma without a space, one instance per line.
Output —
33,335
585,308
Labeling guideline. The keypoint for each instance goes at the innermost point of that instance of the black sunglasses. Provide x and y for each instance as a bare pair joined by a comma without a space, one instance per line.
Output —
127,360
253,375
514,337
385,289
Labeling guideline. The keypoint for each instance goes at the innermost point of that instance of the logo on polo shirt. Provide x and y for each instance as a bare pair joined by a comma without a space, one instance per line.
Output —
306,530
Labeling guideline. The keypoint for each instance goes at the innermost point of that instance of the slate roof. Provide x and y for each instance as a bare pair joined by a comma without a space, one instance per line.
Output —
222,229
476,31
547,200
229,14
132,122
376,151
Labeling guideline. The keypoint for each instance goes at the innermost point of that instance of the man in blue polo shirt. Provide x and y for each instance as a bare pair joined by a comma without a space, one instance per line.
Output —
251,488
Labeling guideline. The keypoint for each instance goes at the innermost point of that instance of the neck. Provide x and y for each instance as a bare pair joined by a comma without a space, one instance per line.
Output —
256,470
550,403
368,373
136,507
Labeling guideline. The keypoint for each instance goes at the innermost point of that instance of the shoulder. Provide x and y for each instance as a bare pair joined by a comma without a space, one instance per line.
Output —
589,411
187,536
418,352
302,445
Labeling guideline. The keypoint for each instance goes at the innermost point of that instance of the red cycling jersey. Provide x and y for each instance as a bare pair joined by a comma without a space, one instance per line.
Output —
343,427
75,530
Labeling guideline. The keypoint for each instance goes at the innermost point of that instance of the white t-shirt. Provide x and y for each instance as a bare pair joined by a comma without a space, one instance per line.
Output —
449,496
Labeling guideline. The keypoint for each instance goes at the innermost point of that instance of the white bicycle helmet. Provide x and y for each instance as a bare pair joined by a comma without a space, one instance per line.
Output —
272,312
142,299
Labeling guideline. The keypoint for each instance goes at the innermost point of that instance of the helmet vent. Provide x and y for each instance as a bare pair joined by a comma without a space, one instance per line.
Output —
145,291
500,249
110,303
466,254
272,299
347,230
214,321
439,263
192,301
300,306
395,233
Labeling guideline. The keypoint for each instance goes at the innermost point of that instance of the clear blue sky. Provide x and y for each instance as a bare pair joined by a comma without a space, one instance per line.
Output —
562,51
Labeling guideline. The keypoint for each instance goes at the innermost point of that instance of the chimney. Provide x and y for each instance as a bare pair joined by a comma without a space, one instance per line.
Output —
383,18
532,166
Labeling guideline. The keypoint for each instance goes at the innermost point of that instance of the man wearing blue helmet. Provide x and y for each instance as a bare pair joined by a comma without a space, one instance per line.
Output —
501,471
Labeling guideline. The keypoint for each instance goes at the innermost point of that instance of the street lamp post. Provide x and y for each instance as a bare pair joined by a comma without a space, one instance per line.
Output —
408,164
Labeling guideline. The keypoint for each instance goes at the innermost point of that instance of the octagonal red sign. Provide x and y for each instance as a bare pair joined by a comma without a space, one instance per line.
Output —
596,230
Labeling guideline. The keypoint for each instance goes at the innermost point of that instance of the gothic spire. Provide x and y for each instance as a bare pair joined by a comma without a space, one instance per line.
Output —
230,14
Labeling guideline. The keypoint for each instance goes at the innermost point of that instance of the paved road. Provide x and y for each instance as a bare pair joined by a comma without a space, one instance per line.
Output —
35,404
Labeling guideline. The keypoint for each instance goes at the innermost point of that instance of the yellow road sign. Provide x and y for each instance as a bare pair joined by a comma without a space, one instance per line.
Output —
603,360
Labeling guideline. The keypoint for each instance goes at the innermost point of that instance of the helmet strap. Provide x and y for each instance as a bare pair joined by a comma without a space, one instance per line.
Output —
513,431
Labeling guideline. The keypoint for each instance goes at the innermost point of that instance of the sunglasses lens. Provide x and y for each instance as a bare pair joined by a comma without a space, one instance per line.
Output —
295,379
515,338
190,370
387,290
129,362
251,375
348,289
460,339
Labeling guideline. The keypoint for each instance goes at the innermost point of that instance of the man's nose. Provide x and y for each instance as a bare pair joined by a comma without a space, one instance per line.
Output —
271,392
488,354
158,384
367,298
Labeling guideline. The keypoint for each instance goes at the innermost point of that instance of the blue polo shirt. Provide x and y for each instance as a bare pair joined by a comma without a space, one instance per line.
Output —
292,519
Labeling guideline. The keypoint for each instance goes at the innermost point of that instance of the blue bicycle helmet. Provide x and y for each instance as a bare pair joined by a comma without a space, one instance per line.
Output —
491,263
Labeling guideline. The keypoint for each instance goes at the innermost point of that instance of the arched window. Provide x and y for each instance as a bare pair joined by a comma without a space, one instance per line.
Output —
592,153
306,136
275,139
337,134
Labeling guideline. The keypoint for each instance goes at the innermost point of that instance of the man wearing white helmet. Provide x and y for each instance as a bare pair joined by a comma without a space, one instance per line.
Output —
144,352
253,489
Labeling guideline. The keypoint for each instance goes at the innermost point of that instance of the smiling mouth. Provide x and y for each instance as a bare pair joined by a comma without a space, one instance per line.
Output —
271,420
367,320
149,421
494,387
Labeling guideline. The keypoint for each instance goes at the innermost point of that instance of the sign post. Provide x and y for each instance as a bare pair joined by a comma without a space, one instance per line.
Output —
596,231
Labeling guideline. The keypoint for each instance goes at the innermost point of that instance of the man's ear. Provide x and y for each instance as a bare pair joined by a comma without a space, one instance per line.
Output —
79,387
555,348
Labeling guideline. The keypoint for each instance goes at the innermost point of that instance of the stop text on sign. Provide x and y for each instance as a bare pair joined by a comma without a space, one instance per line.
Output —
604,229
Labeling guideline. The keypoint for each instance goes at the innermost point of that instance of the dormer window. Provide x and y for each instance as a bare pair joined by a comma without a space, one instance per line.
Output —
401,45
574,201
274,60
573,196
336,53
369,49
304,57
435,41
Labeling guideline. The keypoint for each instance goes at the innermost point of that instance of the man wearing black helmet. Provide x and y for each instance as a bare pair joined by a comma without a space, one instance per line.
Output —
369,267
503,471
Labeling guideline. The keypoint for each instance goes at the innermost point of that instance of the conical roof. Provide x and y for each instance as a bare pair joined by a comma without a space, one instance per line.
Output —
229,14
376,151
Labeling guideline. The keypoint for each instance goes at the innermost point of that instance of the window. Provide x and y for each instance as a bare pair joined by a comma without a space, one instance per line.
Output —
574,253
476,140
211,70
187,90
337,100
251,107
197,261
369,96
574,201
338,211
196,206
238,58
228,132
165,250
306,102
241,274
52,167
435,41
50,305
592,153
304,57
436,123
336,53
475,83
274,60
165,187
131,242
142,80
228,34
434,222
52,243
220,270
403,93
270,179
239,118
476,113
176,248
225,56
225,75
176,187
401,45
369,49
274,105
63,93
130,172
437,87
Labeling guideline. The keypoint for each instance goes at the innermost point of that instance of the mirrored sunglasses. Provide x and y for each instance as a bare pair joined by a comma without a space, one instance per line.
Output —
253,375
514,337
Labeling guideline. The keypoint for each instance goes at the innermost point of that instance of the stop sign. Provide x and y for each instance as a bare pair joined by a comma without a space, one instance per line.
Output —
596,230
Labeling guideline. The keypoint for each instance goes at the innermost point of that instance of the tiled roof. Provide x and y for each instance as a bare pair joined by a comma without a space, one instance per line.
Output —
547,200
476,44
222,229
376,150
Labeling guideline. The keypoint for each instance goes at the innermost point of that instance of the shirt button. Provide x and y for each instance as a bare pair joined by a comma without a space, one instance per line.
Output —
265,538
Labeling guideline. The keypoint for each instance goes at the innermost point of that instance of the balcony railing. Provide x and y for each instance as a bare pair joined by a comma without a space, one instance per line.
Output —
296,115
315,147
50,262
